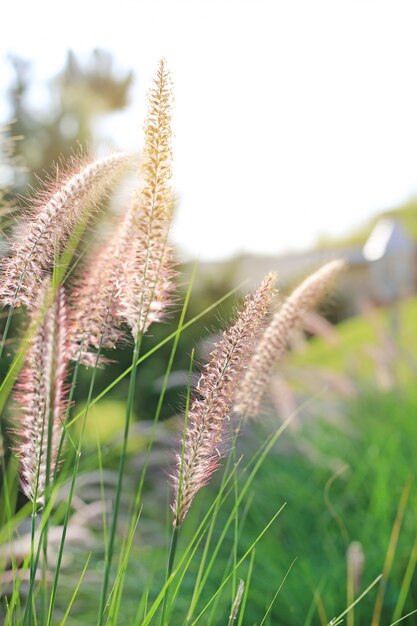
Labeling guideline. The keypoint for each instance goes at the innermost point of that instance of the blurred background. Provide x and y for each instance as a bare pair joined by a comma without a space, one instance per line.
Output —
295,132
295,143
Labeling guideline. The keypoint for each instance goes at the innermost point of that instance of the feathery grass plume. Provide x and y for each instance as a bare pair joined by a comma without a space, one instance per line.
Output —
41,394
40,237
274,341
208,413
146,280
131,275
97,321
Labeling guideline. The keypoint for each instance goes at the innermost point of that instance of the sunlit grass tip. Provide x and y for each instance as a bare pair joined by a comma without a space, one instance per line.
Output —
274,341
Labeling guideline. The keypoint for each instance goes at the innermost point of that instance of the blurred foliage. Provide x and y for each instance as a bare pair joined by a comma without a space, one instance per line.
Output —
327,509
76,96
393,329
341,470
341,473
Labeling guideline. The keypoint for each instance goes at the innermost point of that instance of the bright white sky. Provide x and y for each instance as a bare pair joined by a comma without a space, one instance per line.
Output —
292,118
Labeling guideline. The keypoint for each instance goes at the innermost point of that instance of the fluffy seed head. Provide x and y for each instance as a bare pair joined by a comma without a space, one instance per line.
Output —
146,281
95,313
274,341
41,395
45,234
131,275
211,407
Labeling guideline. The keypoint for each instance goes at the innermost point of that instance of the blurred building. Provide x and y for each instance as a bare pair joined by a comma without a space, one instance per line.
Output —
391,259
382,271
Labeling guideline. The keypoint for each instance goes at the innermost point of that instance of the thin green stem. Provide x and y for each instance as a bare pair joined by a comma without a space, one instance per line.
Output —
32,564
247,585
122,463
202,567
176,528
161,398
241,560
171,558
8,522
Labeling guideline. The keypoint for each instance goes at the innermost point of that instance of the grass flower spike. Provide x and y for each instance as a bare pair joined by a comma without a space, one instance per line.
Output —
44,235
147,272
216,388
96,322
274,341
131,275
41,396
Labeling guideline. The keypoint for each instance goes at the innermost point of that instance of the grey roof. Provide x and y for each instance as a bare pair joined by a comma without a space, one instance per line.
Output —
387,237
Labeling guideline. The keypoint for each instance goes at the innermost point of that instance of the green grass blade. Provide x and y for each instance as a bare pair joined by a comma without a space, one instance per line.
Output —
338,620
404,617
406,584
241,560
247,585
74,595
276,593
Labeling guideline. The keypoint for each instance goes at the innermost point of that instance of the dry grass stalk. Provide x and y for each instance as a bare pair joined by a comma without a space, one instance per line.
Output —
41,395
274,341
216,389
237,602
42,236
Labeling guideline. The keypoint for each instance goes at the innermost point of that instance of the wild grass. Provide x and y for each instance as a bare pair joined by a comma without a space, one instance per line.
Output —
186,520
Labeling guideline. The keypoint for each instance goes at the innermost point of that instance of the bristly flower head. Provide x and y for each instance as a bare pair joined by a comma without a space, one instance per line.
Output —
95,312
41,394
44,235
147,273
216,389
274,341
131,275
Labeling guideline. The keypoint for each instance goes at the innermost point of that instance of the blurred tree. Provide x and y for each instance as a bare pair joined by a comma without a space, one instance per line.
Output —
78,94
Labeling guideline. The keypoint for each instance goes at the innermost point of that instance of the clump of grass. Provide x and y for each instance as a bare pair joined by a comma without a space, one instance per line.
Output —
126,285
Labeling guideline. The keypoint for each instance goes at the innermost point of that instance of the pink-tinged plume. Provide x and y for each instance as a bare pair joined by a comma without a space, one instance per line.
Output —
41,394
216,389
95,313
129,279
274,341
146,281
44,235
